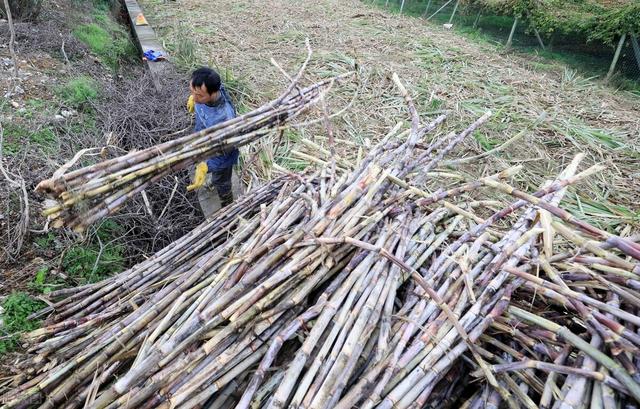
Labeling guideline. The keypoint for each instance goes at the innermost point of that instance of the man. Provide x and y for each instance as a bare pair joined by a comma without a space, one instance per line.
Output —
212,105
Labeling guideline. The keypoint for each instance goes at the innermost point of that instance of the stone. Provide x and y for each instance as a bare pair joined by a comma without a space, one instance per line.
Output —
68,113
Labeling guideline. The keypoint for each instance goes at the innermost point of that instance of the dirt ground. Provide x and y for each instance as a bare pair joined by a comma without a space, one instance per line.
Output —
445,72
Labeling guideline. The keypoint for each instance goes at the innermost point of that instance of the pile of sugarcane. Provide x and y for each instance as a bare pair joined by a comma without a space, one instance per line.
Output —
83,196
355,287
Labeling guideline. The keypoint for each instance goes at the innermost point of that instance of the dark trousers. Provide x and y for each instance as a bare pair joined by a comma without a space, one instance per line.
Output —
221,180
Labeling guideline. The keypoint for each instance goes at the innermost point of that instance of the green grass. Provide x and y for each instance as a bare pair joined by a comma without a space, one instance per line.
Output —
83,124
184,49
33,108
45,242
99,258
78,92
45,138
41,283
600,212
105,37
95,37
239,90
485,142
14,138
295,165
581,135
17,307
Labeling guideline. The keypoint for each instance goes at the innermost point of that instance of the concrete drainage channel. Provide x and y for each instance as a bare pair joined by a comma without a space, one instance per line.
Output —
147,42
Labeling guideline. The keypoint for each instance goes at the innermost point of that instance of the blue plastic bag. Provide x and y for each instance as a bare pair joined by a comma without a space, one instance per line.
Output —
152,55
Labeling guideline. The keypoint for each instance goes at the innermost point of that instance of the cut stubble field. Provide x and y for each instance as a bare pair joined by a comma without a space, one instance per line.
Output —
547,112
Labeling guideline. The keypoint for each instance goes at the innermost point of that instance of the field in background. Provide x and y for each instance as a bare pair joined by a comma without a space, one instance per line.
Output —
446,72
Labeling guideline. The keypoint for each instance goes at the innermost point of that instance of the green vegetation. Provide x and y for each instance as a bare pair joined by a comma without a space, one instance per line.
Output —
295,165
95,37
598,211
33,108
97,259
579,33
45,242
593,19
485,142
239,90
45,138
581,135
78,91
16,136
184,49
87,264
41,285
17,307
105,37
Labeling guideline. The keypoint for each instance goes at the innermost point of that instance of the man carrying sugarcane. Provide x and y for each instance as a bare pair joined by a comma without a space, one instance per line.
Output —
212,105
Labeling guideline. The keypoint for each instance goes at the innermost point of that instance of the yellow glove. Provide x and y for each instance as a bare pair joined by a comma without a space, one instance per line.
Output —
199,177
191,104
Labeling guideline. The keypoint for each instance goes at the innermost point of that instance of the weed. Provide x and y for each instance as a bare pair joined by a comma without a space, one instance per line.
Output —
46,241
15,137
291,35
292,135
17,307
295,165
78,91
238,89
45,138
105,37
436,104
184,50
94,36
83,124
485,142
579,133
40,284
600,212
87,264
32,108
92,262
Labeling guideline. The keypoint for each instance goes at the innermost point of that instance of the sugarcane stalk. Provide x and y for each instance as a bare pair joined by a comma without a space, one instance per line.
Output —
618,371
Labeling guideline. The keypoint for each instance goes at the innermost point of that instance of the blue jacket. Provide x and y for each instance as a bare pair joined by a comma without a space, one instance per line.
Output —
210,115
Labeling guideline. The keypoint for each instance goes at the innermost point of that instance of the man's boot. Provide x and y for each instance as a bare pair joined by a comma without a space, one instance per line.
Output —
226,198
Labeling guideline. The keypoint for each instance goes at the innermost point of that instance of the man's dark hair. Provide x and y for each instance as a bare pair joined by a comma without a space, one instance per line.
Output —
208,77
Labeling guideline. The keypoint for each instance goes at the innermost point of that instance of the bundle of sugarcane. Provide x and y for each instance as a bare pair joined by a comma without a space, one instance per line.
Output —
470,286
351,287
88,194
